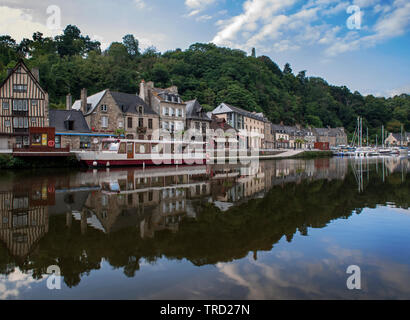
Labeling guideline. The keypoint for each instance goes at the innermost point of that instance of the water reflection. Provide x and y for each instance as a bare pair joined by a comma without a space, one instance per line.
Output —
208,215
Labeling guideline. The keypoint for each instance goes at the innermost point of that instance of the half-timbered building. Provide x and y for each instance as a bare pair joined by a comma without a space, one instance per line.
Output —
23,105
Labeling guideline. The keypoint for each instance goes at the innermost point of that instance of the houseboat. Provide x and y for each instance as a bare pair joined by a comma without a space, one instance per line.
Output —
126,152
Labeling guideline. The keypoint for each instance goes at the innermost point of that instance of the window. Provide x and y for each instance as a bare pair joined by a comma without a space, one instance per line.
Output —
20,88
104,108
85,142
7,123
120,124
34,103
104,122
171,112
141,122
122,148
58,142
129,123
166,111
33,121
36,139
179,113
69,125
6,105
20,105
149,123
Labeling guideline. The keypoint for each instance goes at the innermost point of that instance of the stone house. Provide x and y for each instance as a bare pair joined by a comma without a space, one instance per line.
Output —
23,105
167,104
334,136
197,118
240,119
398,139
281,136
118,113
71,130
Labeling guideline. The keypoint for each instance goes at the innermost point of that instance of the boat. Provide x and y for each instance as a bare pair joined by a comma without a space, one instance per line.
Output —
127,152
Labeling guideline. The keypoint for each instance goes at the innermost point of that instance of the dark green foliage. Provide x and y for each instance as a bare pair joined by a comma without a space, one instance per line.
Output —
209,73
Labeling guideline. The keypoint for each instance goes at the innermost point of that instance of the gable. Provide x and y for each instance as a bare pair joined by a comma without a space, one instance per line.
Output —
21,76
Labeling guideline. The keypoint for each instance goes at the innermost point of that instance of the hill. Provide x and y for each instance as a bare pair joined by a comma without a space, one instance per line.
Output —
212,74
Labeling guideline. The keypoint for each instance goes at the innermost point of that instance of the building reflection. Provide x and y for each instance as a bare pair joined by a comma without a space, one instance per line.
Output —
157,200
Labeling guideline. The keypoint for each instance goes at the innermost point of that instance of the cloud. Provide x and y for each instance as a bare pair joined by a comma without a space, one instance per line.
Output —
17,281
197,6
389,25
397,92
140,4
204,18
279,26
255,11
19,23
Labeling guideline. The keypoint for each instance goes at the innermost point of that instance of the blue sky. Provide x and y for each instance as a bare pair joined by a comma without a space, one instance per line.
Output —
371,56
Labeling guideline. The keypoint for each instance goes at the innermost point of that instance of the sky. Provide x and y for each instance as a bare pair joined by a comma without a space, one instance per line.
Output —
363,44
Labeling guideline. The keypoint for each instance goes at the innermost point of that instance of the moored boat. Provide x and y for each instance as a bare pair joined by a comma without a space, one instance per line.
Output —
125,152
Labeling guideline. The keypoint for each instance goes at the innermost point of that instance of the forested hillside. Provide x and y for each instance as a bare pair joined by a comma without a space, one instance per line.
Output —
212,74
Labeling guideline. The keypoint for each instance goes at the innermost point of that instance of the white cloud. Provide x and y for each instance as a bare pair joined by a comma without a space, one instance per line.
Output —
197,6
11,285
389,25
204,18
397,92
255,11
140,4
20,24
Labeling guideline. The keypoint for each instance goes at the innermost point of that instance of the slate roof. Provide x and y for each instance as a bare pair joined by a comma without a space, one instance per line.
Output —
93,100
58,117
128,103
195,111
241,112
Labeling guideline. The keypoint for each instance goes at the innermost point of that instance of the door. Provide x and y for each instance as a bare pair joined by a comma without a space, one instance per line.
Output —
130,150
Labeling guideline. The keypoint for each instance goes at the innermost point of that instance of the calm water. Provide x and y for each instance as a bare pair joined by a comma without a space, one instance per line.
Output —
289,230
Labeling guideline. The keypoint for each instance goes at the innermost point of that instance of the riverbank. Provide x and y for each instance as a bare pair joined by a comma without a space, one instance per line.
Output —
313,154
10,162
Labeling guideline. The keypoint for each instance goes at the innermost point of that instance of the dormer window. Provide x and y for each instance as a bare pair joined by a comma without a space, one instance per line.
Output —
140,109
69,125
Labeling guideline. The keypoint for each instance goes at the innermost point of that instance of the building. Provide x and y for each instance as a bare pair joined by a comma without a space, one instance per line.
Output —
247,121
23,105
281,136
118,113
334,136
398,139
71,130
293,137
196,117
167,104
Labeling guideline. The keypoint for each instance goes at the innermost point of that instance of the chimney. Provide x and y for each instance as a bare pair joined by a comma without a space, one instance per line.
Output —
142,89
173,89
36,73
68,101
84,100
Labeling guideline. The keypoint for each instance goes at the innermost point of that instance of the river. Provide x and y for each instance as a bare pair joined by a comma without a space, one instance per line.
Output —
287,230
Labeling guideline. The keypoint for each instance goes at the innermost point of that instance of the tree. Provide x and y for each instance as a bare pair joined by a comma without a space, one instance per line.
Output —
287,69
132,45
